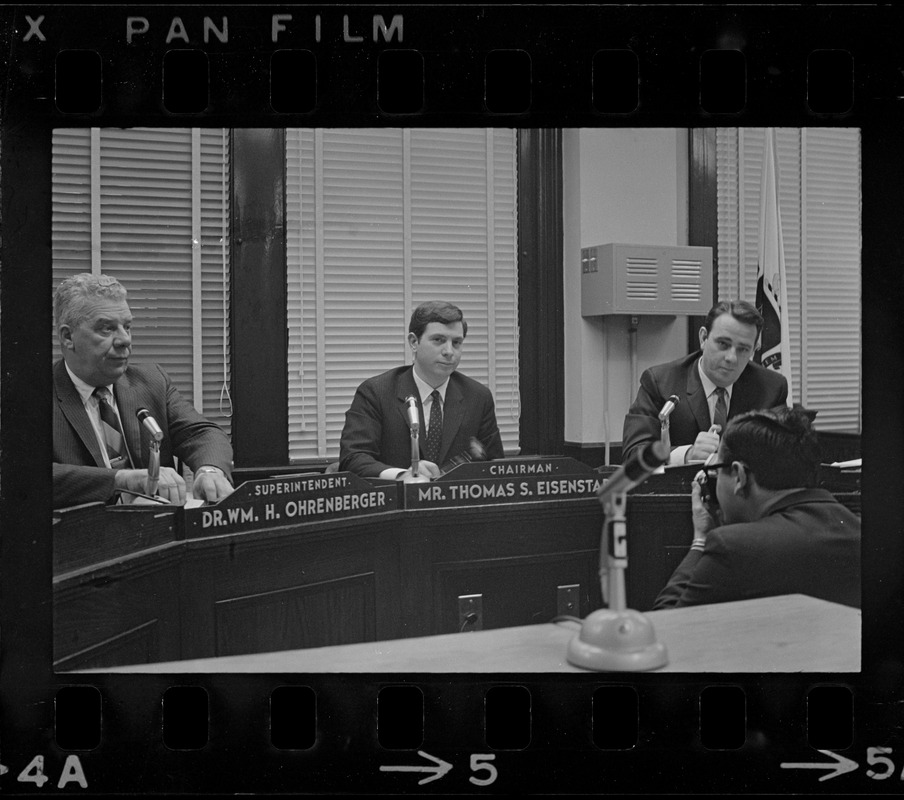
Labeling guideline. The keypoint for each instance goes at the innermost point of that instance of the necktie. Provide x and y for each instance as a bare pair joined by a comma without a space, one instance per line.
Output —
434,429
720,414
113,435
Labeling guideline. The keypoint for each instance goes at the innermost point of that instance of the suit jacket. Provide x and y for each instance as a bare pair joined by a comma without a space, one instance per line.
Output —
79,473
808,543
376,435
755,388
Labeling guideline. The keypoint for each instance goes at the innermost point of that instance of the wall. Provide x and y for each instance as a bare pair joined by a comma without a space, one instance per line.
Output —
628,186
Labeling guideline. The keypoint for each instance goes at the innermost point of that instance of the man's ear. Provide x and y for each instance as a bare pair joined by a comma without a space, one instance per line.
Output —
743,478
703,333
412,340
65,335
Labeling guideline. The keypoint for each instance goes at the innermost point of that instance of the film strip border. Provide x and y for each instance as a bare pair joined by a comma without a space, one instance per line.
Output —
290,734
524,65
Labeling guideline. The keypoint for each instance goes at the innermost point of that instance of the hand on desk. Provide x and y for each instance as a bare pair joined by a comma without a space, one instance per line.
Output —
425,469
706,443
170,487
211,486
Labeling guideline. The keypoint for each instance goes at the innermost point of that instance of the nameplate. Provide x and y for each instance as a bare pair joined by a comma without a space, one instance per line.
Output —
511,480
290,500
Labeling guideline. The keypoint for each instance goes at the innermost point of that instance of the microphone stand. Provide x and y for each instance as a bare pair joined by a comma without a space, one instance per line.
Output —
664,436
612,572
616,638
415,459
153,468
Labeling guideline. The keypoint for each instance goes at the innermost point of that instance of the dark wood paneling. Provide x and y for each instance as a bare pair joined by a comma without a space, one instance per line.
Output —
541,314
259,344
520,590
835,446
140,645
593,455
387,576
78,542
339,611
122,609
318,558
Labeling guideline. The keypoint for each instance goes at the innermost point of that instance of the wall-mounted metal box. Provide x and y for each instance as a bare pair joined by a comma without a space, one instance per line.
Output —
646,279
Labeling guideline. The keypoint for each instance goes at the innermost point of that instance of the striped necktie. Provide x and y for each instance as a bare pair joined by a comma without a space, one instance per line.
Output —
117,449
720,414
434,428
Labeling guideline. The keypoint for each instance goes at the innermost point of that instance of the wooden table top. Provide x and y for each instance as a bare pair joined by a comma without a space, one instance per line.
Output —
786,634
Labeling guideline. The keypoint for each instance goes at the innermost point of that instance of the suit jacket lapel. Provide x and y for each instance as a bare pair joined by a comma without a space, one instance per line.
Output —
70,402
453,413
741,392
128,404
406,388
696,398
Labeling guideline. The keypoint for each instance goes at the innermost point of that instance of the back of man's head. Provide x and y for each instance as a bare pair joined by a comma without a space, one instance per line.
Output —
68,300
435,311
778,445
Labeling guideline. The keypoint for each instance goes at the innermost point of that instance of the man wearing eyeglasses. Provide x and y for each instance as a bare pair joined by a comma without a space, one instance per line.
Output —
713,384
767,530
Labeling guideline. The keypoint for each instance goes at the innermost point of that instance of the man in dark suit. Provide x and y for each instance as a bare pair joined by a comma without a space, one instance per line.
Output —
376,439
722,365
99,457
768,531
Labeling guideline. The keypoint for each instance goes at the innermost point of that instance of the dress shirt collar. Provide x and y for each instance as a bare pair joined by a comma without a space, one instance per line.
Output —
85,390
425,389
708,386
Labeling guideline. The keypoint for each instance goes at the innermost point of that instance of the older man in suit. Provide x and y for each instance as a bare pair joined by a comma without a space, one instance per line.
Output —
713,384
100,451
376,439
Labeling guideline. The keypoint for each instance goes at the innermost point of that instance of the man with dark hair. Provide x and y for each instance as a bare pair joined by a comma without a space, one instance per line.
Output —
100,451
713,384
376,439
767,530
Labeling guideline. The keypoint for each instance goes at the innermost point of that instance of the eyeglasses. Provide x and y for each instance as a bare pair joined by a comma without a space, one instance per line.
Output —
711,470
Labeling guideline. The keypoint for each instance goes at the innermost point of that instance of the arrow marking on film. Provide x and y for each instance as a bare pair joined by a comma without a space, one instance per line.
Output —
439,768
840,766
3,769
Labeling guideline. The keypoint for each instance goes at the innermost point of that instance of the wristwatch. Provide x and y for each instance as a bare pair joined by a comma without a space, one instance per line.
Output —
215,470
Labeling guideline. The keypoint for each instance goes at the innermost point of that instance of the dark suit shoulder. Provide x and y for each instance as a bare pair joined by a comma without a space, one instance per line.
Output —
760,375
145,372
468,384
384,380
678,365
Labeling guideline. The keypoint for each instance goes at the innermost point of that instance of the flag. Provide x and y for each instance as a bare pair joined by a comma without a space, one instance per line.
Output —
771,286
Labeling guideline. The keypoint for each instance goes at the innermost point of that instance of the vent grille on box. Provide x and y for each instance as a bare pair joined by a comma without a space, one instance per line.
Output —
645,279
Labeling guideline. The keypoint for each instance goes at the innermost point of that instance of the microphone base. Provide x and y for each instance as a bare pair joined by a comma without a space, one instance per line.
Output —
416,479
617,641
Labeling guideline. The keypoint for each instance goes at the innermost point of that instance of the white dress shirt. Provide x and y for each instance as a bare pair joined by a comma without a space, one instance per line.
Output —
424,389
91,403
678,454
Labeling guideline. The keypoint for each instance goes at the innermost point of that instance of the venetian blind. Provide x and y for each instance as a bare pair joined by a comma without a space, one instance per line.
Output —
379,220
819,201
149,206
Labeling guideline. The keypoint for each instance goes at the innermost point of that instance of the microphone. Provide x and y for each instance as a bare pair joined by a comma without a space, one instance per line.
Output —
414,420
150,424
639,466
668,408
